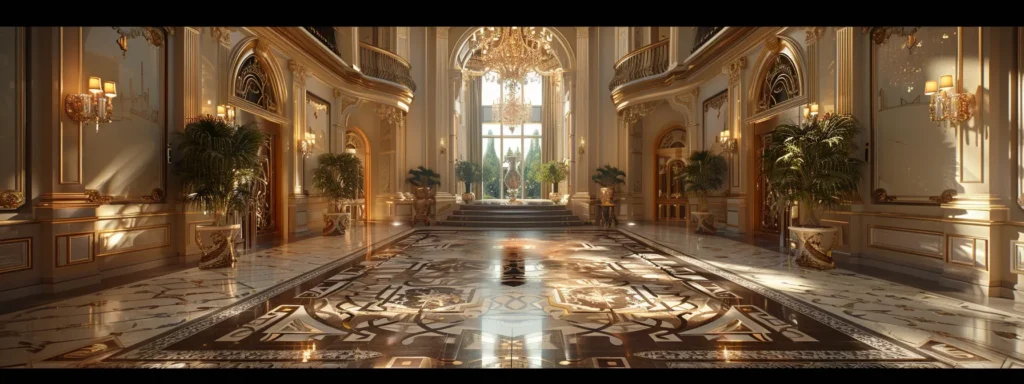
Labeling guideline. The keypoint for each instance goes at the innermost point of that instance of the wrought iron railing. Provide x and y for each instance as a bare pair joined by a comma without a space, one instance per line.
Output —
376,62
647,61
326,37
704,34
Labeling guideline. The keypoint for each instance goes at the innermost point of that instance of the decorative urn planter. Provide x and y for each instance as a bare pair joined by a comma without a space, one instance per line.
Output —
555,197
336,223
705,222
421,205
468,197
815,245
221,254
607,195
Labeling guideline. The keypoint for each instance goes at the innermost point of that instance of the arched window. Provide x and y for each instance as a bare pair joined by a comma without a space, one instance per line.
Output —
519,136
253,85
780,83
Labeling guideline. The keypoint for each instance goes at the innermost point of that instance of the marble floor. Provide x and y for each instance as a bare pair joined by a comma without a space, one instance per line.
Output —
645,296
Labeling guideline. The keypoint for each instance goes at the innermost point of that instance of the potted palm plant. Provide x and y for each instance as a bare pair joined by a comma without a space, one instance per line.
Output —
469,173
811,164
338,177
703,174
424,181
218,167
552,172
608,177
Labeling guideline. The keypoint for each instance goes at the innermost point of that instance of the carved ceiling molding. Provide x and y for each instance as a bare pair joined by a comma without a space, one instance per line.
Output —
813,34
94,196
262,48
298,72
346,100
222,34
735,70
773,44
635,113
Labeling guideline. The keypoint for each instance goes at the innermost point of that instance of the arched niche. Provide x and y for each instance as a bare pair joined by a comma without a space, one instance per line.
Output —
257,82
779,81
670,151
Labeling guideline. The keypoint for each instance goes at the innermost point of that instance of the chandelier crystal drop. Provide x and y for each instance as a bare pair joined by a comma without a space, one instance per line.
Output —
513,52
513,111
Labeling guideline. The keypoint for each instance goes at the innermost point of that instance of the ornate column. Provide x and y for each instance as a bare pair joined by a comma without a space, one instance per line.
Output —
297,205
630,158
223,37
442,112
812,34
581,106
736,203
402,42
844,70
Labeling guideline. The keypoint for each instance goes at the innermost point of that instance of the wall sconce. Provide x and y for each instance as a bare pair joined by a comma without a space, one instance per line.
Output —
582,147
948,103
442,148
811,111
727,142
306,144
226,113
97,106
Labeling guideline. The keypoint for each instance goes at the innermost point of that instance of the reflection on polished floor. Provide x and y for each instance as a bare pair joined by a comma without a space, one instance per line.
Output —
501,298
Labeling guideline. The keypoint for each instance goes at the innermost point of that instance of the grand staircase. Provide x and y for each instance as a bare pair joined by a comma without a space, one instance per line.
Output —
512,216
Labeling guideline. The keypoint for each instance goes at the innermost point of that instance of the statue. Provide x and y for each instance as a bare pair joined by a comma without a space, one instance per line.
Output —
513,180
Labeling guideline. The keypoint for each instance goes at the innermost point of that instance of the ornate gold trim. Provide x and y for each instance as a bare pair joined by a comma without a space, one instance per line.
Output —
1017,258
95,197
155,36
735,70
11,199
67,247
639,51
946,197
637,112
157,195
880,196
813,34
221,34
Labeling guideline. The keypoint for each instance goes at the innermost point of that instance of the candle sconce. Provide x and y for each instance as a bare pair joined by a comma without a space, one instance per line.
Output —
948,103
811,111
306,144
582,148
441,148
226,113
727,142
97,106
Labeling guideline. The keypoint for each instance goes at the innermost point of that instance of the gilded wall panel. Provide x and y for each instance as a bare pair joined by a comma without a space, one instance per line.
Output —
318,124
125,159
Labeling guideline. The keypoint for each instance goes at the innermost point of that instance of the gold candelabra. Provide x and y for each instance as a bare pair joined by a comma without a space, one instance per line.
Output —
948,103
97,106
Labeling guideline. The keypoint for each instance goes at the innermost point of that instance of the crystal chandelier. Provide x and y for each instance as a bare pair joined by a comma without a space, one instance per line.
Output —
512,52
513,111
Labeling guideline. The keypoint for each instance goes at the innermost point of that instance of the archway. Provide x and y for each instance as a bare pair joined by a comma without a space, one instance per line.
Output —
358,144
777,93
670,203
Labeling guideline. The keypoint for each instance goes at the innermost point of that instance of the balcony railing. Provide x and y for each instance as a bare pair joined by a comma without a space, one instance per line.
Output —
704,34
647,61
326,37
376,62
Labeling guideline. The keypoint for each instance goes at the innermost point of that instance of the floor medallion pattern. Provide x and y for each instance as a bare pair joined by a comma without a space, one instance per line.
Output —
597,299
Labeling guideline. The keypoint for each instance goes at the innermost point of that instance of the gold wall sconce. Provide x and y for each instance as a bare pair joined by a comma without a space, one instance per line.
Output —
811,111
727,142
948,103
582,148
97,106
441,148
306,144
226,113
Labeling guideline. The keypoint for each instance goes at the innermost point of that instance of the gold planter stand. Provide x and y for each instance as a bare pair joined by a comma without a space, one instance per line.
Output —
222,253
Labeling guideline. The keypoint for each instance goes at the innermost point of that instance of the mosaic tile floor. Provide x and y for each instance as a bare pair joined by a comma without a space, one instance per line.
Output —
467,298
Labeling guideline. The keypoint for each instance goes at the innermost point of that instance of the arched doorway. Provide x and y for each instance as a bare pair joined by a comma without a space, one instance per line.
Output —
357,144
669,158
775,98
256,94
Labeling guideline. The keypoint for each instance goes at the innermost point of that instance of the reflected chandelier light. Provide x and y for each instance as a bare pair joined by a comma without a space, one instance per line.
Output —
512,52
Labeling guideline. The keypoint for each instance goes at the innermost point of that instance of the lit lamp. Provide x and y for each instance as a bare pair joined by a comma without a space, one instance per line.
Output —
226,113
727,142
582,147
442,148
306,145
948,103
94,107
811,110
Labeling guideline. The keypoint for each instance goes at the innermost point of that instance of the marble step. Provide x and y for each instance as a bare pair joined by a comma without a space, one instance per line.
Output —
513,218
524,207
512,213
513,224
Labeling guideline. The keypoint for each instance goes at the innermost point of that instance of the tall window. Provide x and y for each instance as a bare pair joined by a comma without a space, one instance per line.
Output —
499,140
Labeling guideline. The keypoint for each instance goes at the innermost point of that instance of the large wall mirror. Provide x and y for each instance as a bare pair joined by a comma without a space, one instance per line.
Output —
917,160
125,159
13,141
